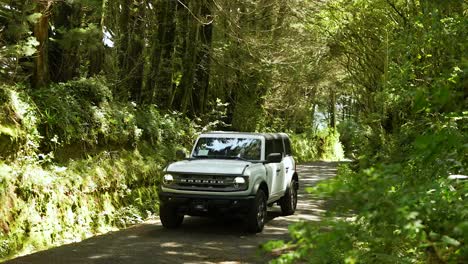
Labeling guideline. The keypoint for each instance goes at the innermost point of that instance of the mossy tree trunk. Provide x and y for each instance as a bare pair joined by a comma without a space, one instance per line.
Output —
41,76
159,83
130,49
202,74
189,61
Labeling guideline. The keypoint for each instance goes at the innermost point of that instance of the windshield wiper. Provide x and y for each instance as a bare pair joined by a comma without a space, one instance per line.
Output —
201,156
237,158
210,157
220,157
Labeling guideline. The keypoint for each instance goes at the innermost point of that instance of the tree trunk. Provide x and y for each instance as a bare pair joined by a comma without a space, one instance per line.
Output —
332,108
123,43
159,82
64,60
131,63
135,59
41,75
204,59
182,20
189,62
97,55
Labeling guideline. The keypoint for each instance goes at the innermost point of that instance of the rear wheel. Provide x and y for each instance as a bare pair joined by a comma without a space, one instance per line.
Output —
257,213
288,202
169,216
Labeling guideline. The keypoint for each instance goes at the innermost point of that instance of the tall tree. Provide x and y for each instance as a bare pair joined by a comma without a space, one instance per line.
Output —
97,52
189,59
130,45
64,52
159,83
41,75
202,74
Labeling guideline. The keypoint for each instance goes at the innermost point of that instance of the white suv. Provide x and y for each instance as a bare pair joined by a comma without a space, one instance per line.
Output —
231,172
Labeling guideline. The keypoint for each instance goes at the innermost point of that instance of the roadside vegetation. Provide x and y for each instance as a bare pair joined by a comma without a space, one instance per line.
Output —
96,96
76,163
395,203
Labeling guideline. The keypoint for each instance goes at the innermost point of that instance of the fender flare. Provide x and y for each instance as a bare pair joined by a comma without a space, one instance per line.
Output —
257,185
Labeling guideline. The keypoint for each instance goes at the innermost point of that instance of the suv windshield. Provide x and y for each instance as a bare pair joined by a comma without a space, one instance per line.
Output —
228,148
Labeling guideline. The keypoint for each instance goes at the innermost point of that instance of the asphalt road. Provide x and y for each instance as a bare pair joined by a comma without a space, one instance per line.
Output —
199,240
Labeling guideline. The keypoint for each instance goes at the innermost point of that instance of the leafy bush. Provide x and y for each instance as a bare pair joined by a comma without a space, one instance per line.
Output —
83,111
82,115
324,145
48,198
18,123
405,211
398,205
353,137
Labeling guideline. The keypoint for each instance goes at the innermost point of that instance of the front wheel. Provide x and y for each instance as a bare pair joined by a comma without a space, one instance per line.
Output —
169,216
257,213
288,202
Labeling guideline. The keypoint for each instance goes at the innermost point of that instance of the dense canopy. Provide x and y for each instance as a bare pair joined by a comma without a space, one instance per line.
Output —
96,96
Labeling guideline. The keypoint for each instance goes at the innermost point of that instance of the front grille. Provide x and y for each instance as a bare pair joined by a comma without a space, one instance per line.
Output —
204,182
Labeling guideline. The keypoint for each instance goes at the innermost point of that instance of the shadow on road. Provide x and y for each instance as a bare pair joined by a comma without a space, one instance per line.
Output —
199,240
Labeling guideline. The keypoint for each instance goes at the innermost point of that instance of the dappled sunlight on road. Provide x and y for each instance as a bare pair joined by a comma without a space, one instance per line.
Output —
199,240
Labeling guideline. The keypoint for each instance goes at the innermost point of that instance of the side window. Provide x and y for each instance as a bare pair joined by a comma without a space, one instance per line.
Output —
274,146
268,147
287,146
278,146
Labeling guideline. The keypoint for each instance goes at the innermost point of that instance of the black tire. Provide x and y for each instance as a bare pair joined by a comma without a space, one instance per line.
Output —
169,217
256,216
288,202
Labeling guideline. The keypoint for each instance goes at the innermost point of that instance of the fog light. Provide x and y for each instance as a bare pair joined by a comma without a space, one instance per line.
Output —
168,179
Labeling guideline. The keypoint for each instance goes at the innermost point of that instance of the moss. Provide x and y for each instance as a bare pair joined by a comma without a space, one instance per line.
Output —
76,163
51,205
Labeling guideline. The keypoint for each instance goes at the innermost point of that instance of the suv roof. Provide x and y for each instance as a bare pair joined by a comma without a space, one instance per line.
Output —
265,135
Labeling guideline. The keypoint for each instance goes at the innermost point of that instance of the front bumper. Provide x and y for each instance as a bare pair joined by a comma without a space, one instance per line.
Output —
194,204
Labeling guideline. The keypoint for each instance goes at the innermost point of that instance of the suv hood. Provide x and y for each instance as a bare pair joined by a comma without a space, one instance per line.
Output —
209,166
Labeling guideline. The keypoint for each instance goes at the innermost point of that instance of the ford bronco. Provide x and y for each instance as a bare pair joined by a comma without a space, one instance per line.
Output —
231,172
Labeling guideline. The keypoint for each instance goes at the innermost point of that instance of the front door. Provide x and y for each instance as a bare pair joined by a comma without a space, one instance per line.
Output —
275,171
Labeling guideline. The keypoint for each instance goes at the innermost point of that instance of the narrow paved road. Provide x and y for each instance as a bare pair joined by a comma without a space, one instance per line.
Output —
199,240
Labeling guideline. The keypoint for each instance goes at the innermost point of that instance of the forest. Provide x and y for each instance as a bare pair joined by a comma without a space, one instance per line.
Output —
96,96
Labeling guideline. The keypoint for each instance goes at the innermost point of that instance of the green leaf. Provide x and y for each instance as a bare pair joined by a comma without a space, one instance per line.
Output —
34,18
29,48
450,241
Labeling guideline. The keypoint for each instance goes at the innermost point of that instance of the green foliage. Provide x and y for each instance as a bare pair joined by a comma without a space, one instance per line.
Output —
215,120
397,204
246,114
391,213
118,152
79,111
323,145
84,113
18,123
353,137
16,40
85,38
394,71
45,204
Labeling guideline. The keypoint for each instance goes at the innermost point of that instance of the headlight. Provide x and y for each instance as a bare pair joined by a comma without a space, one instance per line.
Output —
240,183
168,179
239,180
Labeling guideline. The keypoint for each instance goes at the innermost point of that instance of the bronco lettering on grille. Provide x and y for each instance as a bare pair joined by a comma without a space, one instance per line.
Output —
204,182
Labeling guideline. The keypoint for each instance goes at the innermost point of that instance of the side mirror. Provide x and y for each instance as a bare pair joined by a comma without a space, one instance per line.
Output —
274,158
180,154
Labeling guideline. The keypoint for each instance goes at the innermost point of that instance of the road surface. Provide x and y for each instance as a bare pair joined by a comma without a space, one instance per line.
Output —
199,240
